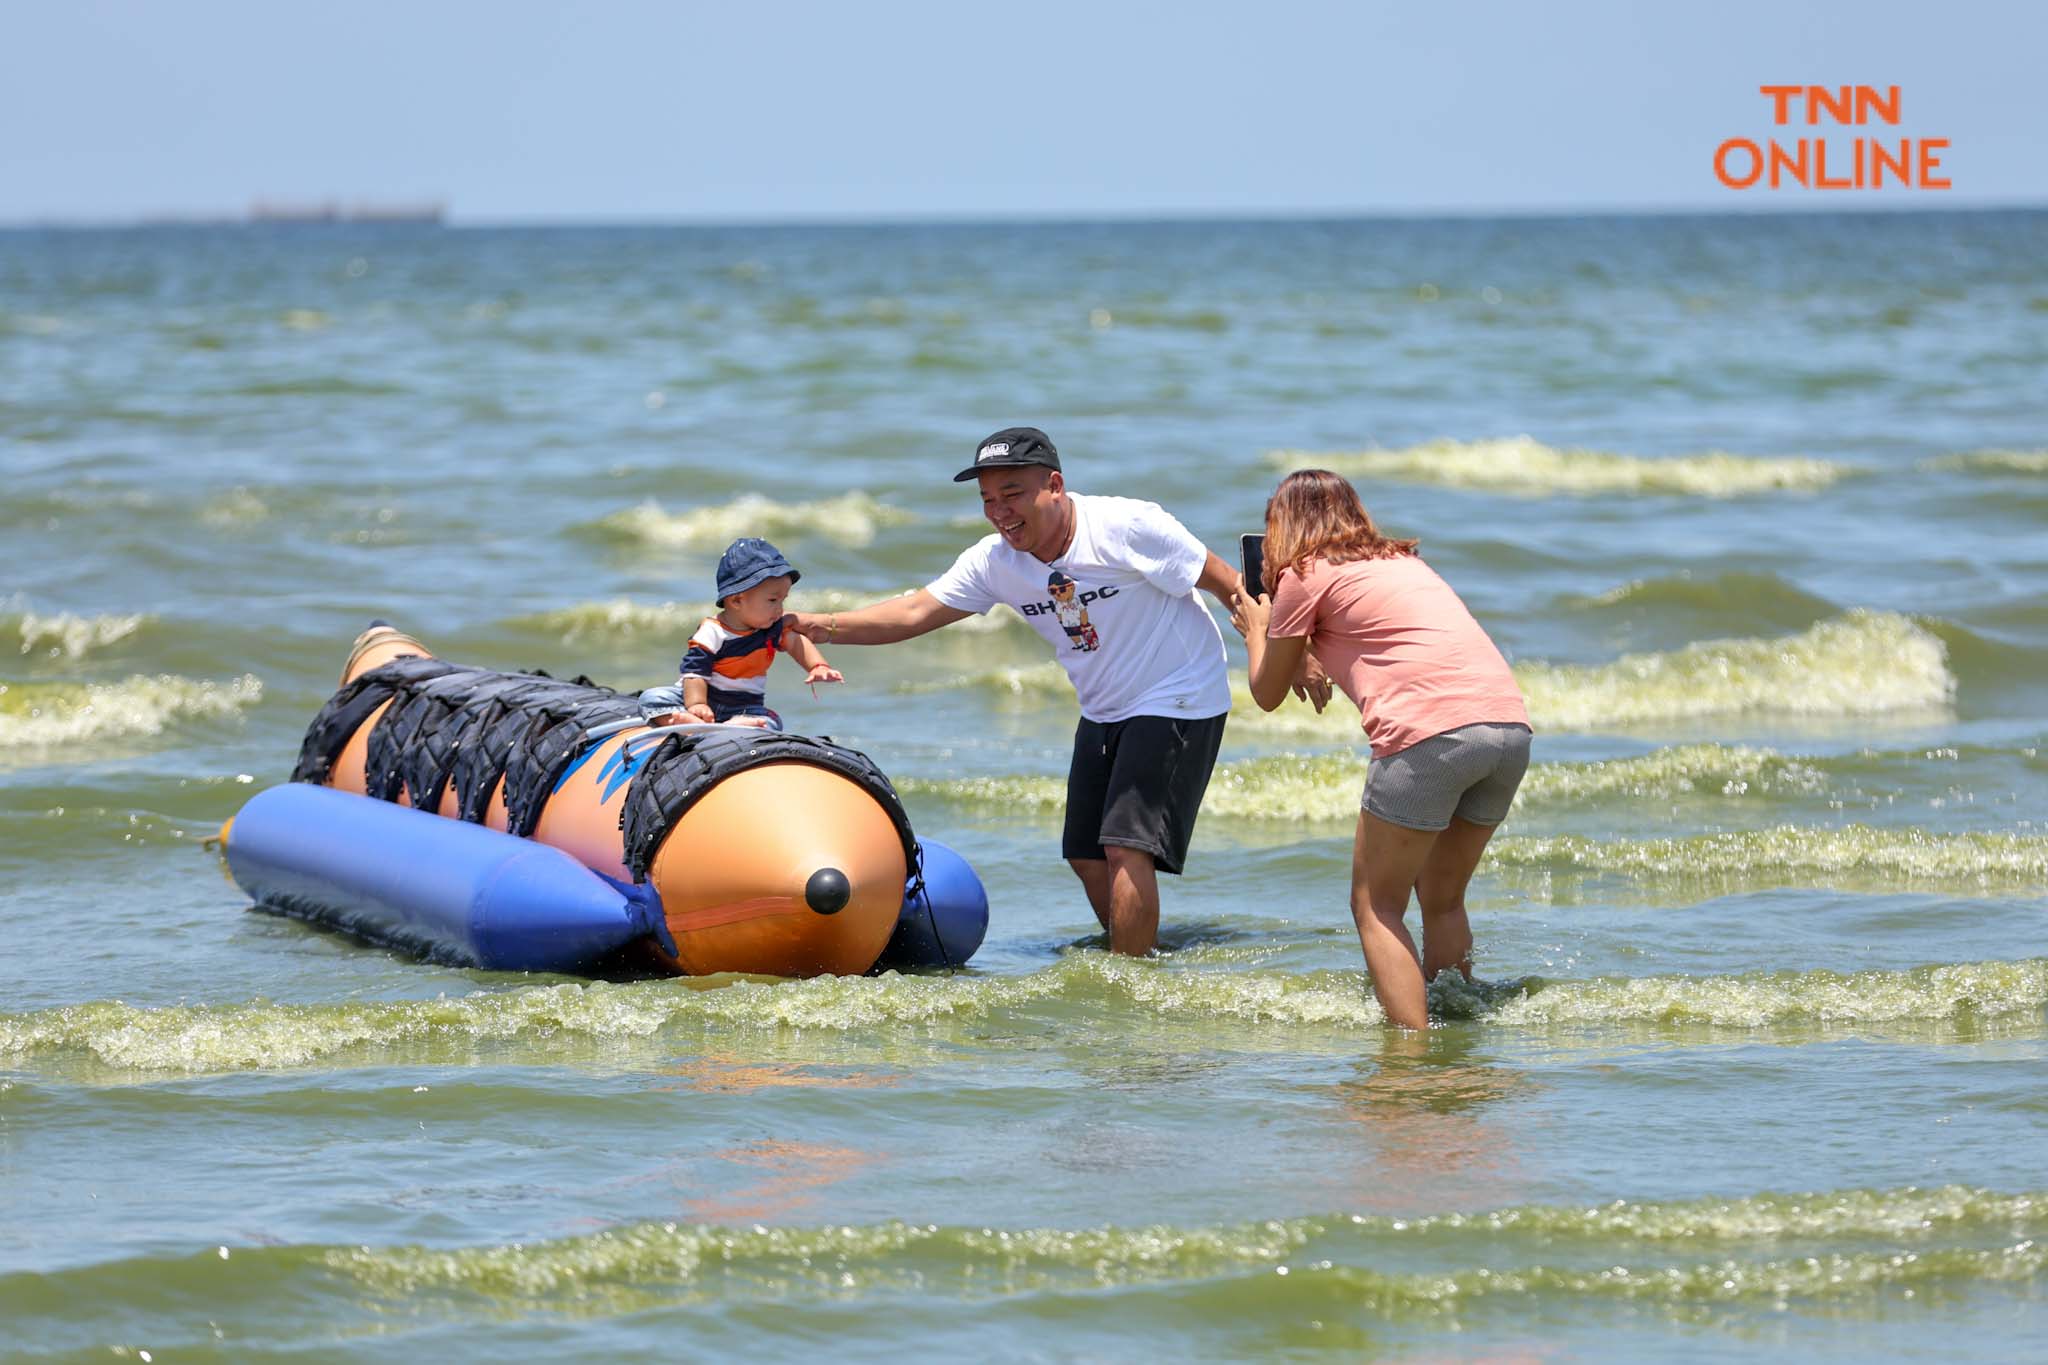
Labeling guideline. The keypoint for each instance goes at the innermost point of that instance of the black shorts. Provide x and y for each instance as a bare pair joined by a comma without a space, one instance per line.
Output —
1138,783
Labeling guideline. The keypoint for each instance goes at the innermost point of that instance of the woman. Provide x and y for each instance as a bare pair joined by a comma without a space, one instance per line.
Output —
1449,732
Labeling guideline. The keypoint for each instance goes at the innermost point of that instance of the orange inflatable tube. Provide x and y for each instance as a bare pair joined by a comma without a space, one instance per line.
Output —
783,869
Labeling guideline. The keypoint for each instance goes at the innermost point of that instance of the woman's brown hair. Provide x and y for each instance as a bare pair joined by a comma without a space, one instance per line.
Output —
1315,514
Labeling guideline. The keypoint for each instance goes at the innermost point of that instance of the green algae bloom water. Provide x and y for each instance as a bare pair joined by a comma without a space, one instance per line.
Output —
1756,507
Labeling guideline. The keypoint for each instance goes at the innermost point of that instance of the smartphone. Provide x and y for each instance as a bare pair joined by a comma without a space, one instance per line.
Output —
1251,557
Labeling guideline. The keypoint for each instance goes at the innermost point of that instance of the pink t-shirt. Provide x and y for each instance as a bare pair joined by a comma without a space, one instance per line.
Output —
1402,646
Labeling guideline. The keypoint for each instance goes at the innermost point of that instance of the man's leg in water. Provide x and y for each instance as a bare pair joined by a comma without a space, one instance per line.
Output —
1094,875
1133,794
1123,890
1133,900
1081,840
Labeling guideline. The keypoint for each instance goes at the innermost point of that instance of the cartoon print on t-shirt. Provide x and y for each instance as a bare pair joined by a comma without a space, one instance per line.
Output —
1073,616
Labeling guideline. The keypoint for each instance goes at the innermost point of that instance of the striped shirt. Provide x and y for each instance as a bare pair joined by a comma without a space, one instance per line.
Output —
735,667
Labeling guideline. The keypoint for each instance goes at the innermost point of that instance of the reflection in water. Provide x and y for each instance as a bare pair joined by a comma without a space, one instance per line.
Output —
790,1176
776,1177
736,1076
1426,1102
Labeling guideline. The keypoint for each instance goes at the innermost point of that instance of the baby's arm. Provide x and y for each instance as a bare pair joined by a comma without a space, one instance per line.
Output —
696,673
805,653
697,698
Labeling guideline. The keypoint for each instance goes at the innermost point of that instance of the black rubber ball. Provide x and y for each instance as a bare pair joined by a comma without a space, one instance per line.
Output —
828,891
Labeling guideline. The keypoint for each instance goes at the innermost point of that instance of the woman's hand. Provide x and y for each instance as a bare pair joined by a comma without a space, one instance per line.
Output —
1311,684
1272,666
1250,613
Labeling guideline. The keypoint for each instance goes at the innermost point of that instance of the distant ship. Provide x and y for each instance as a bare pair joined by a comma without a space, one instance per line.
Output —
333,211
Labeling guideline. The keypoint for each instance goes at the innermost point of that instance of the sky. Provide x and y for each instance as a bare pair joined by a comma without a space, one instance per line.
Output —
637,111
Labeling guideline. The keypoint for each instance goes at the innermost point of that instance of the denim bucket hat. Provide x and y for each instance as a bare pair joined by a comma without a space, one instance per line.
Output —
747,562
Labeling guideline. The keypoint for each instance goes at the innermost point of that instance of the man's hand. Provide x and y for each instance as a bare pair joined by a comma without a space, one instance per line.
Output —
1311,684
812,625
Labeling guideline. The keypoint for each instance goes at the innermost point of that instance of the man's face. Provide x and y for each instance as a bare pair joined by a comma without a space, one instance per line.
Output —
1023,505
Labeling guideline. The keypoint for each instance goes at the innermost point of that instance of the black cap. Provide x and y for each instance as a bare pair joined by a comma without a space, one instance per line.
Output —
1010,447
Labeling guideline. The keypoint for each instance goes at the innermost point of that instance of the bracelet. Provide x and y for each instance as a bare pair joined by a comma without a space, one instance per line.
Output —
832,627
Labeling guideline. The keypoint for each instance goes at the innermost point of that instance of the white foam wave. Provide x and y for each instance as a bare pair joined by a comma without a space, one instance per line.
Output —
1858,664
34,715
1861,663
65,636
1326,788
1797,855
1993,462
851,519
1525,466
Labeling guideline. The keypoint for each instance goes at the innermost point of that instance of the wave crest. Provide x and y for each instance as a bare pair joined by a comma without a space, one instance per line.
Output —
1738,596
669,1260
1686,1257
65,636
851,519
1527,467
545,1020
1858,855
1858,664
1983,989
37,714
1326,788
1993,462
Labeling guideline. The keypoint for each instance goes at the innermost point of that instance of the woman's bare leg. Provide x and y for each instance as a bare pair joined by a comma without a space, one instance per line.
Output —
1440,890
1386,859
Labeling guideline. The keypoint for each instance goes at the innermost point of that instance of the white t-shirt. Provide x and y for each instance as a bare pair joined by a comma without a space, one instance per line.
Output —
1119,609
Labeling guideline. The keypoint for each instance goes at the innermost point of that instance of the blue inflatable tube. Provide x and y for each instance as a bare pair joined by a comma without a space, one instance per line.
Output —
475,895
945,913
456,890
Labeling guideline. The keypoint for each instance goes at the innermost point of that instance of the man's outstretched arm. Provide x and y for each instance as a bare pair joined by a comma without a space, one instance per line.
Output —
1218,579
884,623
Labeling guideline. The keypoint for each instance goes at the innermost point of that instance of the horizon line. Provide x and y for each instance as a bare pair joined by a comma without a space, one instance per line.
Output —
1804,206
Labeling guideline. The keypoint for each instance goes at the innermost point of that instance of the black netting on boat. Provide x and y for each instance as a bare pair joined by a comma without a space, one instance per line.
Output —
447,723
470,726
344,712
450,707
677,773
561,730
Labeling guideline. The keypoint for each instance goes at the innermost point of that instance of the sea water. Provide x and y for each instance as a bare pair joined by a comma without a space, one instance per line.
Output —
1757,507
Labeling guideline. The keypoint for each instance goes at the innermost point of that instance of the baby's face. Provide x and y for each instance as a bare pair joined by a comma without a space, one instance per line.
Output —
761,605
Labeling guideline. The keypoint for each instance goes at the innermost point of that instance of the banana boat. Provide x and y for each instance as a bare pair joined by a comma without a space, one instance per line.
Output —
524,822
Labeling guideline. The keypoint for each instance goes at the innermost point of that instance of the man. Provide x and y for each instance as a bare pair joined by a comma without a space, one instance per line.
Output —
1110,584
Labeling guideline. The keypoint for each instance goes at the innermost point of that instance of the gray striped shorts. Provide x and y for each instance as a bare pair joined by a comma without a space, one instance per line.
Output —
1470,772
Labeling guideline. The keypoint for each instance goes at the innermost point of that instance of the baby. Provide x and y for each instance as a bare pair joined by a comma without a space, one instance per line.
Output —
725,671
